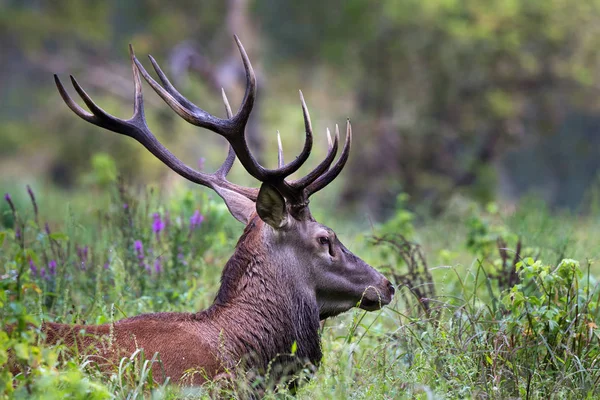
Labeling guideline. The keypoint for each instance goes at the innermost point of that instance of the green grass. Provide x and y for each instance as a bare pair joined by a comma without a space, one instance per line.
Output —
457,328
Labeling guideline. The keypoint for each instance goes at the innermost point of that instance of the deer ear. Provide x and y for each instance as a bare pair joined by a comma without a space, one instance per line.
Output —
270,206
239,206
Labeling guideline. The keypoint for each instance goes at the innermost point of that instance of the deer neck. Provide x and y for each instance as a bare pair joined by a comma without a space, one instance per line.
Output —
260,310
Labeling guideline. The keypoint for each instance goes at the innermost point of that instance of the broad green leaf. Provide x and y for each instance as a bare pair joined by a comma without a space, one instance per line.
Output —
59,236
22,351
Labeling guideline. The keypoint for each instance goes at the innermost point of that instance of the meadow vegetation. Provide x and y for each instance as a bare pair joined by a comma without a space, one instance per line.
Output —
456,105
490,303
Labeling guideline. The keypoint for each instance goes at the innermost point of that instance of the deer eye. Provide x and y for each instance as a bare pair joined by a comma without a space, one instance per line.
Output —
324,240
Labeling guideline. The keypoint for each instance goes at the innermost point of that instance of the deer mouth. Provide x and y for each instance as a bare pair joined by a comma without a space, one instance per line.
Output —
373,299
373,304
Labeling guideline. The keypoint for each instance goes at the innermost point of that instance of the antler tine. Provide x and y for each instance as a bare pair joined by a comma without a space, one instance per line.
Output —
168,86
228,163
226,102
250,94
99,117
138,97
80,112
188,111
280,162
330,175
323,165
293,166
240,145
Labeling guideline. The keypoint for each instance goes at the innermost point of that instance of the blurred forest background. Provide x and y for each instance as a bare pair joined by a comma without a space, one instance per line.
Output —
478,98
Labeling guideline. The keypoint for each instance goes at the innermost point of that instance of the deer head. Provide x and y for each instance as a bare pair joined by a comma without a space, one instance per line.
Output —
305,255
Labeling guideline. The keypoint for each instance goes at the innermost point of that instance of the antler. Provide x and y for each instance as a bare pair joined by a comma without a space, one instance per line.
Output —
137,128
232,129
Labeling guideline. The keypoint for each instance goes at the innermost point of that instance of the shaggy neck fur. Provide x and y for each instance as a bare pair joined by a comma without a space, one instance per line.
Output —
260,313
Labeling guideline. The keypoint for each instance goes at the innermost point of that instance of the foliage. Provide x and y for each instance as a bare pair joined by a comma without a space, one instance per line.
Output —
138,248
536,338
550,321
491,303
451,332
20,346
402,221
104,171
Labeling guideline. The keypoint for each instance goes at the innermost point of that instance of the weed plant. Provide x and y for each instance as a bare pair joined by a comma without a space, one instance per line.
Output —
486,306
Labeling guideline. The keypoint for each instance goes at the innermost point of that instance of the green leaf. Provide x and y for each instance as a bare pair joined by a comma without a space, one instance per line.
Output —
31,254
22,351
59,236
2,237
294,347
529,261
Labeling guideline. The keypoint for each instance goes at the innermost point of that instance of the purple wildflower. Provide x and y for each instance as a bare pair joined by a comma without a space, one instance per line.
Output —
196,220
139,249
52,267
47,228
43,273
125,206
82,253
106,265
10,202
32,197
157,224
157,265
32,267
181,258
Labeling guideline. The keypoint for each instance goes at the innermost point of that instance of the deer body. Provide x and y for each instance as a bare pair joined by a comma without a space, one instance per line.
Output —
257,316
288,272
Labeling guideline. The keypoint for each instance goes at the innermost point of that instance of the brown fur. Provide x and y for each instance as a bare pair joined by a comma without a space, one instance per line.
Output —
256,317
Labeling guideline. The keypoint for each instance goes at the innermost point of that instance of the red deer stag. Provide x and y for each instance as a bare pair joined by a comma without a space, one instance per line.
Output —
286,274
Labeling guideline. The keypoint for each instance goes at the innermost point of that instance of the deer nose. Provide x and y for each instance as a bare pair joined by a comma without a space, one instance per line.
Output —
390,287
